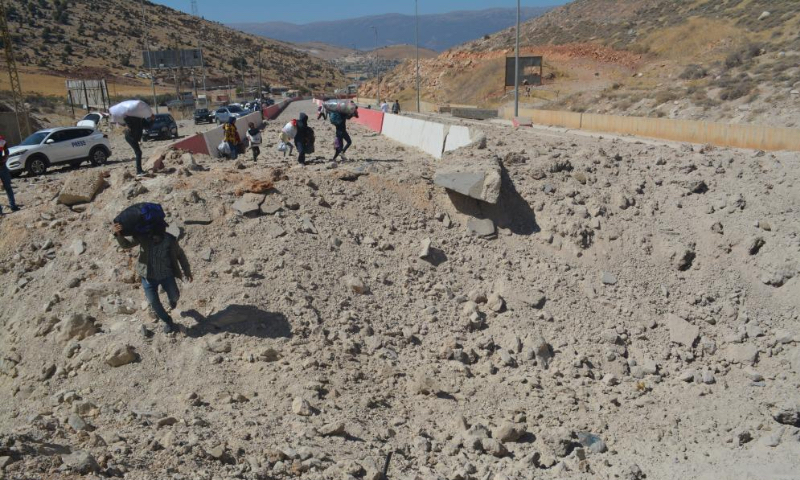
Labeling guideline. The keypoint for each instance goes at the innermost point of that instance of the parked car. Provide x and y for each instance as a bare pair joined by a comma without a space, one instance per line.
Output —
56,146
162,126
224,113
92,120
202,115
269,102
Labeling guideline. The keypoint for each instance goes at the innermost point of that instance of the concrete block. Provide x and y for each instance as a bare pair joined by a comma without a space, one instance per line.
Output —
481,227
81,187
480,179
457,137
474,113
521,122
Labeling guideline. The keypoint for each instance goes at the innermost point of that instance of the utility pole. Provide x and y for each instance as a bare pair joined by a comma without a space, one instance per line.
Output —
416,15
149,57
516,68
196,13
377,71
260,86
23,121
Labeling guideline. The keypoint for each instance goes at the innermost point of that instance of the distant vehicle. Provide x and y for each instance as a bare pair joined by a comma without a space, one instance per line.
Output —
202,115
269,102
55,146
161,127
224,113
92,120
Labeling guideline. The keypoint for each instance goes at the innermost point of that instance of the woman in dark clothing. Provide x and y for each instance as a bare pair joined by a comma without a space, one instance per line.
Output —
304,139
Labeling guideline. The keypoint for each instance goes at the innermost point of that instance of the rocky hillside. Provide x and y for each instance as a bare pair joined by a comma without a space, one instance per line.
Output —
103,38
733,61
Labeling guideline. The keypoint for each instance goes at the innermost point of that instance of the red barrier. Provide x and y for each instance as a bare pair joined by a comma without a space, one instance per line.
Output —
372,119
194,144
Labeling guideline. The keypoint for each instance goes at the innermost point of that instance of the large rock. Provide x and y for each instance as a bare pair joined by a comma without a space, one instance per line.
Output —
681,331
81,187
479,179
77,327
119,355
481,227
81,462
249,205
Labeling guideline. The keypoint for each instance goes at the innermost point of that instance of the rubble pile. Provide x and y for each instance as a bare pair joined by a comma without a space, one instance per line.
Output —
619,321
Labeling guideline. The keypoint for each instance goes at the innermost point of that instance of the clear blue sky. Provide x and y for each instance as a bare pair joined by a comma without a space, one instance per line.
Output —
307,11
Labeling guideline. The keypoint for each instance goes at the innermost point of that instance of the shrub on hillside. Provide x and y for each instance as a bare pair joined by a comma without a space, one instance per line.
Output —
693,72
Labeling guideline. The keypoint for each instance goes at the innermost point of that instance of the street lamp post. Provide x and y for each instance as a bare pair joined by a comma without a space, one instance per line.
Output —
516,68
416,15
377,71
149,57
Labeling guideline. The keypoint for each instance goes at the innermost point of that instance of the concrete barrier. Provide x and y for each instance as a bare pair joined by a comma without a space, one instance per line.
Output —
426,136
457,137
207,143
757,137
473,113
371,119
431,137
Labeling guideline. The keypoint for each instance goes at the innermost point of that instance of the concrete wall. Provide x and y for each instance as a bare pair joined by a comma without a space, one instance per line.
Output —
725,135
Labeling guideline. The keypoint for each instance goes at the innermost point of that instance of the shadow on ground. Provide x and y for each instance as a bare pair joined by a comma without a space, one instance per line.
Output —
511,212
241,320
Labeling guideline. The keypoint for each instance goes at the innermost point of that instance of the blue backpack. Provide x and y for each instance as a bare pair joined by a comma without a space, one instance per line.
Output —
336,118
142,218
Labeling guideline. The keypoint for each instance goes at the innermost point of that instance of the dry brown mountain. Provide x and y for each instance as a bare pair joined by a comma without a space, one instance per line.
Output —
730,60
103,38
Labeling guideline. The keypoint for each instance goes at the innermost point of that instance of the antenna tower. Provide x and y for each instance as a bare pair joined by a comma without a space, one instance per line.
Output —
23,123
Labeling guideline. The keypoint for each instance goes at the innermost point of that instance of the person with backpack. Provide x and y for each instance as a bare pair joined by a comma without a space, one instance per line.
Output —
343,140
396,107
161,261
232,137
304,138
5,176
254,136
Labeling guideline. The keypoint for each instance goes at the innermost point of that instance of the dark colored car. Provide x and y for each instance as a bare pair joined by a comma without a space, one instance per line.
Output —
161,127
203,115
269,102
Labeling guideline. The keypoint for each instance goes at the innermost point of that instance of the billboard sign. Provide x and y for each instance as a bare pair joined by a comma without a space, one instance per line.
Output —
530,69
88,93
173,58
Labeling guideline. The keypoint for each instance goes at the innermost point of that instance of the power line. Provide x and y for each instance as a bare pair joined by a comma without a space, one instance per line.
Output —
195,11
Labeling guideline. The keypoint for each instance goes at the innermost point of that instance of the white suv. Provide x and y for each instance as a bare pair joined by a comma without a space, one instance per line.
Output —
54,146
224,113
